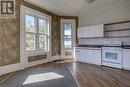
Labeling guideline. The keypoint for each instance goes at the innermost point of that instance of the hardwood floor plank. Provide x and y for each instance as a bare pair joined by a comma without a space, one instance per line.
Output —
88,75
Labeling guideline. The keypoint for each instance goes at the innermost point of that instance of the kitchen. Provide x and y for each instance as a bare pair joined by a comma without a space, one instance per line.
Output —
105,45
77,43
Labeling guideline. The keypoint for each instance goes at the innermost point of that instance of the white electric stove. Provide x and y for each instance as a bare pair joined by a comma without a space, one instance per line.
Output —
112,54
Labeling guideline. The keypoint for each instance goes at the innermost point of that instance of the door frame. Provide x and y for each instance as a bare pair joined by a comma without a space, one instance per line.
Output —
73,22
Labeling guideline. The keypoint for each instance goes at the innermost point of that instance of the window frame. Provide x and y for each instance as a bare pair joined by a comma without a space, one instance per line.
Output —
37,16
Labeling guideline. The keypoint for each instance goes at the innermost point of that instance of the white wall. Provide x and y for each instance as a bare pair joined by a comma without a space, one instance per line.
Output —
120,12
100,41
115,13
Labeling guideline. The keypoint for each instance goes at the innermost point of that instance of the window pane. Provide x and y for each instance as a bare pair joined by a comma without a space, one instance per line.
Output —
30,24
67,36
43,26
42,42
30,42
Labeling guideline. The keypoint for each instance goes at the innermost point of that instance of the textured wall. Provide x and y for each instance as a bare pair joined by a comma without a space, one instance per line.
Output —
10,35
9,39
55,40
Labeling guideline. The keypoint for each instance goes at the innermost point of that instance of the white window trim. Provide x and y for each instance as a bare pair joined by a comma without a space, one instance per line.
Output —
37,33
25,10
63,50
72,22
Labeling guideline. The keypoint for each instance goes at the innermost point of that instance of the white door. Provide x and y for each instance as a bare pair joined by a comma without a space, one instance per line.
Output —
68,34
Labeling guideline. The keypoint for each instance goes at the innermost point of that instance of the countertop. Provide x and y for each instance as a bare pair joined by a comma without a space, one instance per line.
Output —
126,46
97,46
100,46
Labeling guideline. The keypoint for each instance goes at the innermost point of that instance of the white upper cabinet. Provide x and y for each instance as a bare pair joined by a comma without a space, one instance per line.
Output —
99,30
91,31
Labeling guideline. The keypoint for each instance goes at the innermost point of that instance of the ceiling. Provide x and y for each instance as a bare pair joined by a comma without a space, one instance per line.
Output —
74,7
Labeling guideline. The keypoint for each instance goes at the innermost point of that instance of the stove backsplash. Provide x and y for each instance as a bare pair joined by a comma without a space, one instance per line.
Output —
100,41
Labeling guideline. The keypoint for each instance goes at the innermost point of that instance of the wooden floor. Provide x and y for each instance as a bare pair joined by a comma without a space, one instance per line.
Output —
5,76
88,75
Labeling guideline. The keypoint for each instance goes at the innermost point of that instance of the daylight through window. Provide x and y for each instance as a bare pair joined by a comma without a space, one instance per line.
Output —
37,33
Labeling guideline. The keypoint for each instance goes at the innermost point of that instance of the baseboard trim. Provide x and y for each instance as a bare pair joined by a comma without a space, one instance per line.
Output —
18,66
126,68
10,68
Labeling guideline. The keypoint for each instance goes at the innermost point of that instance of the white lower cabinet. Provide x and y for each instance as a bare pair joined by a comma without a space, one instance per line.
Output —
97,56
80,55
77,55
126,59
93,56
88,55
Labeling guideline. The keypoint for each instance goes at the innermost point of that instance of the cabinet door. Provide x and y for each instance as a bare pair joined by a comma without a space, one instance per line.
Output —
89,56
99,30
93,56
82,55
92,31
85,56
126,59
77,56
97,57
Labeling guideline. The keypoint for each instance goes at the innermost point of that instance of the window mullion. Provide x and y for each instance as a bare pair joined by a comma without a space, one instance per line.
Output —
36,24
30,33
47,42
43,34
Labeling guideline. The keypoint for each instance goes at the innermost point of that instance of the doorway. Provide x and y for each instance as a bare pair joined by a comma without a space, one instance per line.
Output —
68,38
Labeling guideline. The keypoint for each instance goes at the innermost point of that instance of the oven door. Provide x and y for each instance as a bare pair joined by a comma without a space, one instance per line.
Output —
112,55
